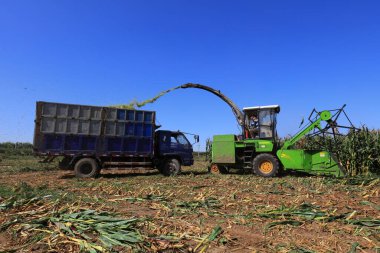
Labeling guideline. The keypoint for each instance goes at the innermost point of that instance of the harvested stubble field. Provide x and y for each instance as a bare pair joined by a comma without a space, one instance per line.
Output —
44,209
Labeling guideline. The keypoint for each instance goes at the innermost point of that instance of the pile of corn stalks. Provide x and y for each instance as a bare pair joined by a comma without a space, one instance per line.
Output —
48,225
69,227
308,212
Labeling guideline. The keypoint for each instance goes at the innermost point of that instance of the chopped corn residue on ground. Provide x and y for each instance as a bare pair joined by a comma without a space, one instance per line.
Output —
44,209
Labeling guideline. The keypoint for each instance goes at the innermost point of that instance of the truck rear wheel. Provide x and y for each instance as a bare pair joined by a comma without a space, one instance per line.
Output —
171,167
86,167
217,169
265,165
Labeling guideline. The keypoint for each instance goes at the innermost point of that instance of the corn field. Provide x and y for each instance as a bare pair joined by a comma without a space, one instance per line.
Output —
358,152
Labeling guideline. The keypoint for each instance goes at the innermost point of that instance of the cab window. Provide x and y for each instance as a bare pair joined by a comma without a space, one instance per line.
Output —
173,140
266,118
182,140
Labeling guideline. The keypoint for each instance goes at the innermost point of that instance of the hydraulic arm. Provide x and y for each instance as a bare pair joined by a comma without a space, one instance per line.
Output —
324,116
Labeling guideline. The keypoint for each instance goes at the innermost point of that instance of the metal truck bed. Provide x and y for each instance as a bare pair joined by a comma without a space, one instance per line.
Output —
68,129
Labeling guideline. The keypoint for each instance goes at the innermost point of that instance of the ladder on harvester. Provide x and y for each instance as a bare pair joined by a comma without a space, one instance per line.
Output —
248,154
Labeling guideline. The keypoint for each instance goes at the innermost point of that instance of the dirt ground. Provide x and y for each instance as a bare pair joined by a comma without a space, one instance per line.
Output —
292,213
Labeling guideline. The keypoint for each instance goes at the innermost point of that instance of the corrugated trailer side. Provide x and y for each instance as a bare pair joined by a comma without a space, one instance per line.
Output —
68,129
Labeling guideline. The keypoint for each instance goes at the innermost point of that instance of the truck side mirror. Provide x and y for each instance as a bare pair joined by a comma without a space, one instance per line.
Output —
196,138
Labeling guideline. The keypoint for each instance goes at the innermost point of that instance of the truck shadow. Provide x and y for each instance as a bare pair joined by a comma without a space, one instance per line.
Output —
130,174
298,174
118,174
196,173
125,174
279,175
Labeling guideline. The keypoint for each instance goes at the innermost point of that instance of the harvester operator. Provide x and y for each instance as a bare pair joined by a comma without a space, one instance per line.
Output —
254,126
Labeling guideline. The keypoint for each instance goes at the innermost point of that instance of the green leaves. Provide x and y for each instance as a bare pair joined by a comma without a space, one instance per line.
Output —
91,230
113,231
308,212
365,222
305,211
216,231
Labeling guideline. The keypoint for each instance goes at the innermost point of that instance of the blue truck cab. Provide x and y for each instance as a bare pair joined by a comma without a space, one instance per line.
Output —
92,138
174,144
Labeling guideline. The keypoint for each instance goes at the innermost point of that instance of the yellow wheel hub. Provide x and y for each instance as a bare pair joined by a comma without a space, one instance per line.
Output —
266,167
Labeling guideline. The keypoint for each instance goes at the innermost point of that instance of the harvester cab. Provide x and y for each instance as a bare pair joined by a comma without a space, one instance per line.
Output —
260,122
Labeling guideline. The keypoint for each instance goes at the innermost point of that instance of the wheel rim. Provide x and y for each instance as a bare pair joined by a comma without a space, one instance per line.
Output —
266,167
86,169
172,168
215,169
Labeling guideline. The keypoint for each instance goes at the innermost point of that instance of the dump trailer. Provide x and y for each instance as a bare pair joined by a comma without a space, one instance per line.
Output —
258,149
91,138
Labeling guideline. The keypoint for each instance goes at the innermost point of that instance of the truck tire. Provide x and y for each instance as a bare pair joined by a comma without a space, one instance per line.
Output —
86,167
172,167
265,165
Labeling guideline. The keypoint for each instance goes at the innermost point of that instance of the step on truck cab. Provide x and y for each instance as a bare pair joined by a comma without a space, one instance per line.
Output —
92,138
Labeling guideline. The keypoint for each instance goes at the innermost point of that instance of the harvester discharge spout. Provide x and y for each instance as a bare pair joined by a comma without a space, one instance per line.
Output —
238,114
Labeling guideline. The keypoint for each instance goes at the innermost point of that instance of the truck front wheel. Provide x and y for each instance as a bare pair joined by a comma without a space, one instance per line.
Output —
265,165
171,167
86,167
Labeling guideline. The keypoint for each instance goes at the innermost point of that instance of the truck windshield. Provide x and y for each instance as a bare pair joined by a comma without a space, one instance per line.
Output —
182,139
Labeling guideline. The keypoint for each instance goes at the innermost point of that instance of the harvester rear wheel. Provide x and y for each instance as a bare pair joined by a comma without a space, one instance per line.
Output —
217,169
265,165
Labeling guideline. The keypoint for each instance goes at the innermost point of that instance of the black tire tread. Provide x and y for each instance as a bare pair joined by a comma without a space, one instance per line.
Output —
265,156
95,168
166,167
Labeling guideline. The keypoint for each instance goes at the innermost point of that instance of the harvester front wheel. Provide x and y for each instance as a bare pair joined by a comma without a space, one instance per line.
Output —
217,169
265,165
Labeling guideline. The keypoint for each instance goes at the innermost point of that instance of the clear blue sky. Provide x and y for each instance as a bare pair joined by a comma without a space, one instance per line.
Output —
299,54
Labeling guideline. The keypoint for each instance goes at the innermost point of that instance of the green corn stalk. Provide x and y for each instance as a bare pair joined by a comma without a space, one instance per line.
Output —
358,152
208,239
305,211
